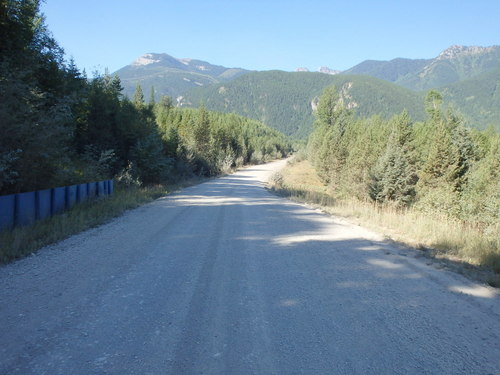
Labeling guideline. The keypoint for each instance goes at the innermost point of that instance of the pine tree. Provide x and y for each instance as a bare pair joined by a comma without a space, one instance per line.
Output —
367,139
480,198
138,97
327,146
331,110
433,103
326,110
152,99
201,131
166,102
36,119
394,176
449,154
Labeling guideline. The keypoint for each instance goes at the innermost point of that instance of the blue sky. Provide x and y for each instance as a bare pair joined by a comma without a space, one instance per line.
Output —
267,34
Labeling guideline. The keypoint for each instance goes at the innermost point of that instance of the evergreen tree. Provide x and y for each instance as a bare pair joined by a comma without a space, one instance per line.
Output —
394,176
152,99
201,132
328,144
166,102
35,108
327,106
480,198
449,155
331,110
466,150
367,139
150,160
433,103
138,97
99,125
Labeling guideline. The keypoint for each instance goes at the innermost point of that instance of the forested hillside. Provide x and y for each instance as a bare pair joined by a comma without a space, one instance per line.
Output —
392,71
478,99
286,101
60,128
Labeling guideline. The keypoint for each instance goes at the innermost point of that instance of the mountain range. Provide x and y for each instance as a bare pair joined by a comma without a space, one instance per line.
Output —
454,64
171,76
467,77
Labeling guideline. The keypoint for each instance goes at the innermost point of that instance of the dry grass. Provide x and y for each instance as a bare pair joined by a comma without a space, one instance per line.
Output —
23,241
440,237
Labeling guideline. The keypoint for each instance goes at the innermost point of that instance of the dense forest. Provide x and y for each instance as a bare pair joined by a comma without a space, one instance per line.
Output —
438,166
286,101
59,128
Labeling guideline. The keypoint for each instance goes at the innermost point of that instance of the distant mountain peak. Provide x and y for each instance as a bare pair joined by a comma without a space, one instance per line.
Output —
454,64
327,70
172,76
191,65
146,59
455,51
321,69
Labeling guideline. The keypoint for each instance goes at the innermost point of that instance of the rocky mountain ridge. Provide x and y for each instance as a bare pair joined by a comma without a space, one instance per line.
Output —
184,64
172,76
457,50
321,69
175,76
454,64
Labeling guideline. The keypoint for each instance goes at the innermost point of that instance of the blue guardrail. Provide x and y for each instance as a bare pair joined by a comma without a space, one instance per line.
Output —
26,208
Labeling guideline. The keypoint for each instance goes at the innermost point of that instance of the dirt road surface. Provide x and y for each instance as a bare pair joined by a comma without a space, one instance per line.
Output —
226,278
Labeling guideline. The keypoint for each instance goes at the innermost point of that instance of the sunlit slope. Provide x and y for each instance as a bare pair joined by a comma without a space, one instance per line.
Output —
285,100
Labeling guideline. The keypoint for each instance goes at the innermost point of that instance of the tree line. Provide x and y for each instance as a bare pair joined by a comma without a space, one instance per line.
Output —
58,127
438,166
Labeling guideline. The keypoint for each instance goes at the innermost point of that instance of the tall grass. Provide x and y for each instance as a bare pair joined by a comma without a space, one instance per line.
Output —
439,236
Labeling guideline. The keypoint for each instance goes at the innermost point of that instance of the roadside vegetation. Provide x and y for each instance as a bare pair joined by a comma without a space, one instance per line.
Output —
434,184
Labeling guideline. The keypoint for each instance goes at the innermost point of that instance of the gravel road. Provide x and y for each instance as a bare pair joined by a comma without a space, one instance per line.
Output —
225,278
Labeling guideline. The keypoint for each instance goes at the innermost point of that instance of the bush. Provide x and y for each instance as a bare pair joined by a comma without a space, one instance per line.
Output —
276,181
256,157
152,164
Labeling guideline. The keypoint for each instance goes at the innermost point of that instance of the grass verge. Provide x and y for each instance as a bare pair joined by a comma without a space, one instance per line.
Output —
23,241
465,248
